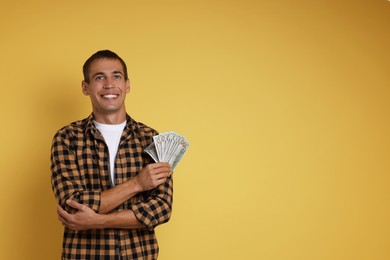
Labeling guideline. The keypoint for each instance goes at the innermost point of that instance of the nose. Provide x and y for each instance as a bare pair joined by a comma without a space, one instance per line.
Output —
108,84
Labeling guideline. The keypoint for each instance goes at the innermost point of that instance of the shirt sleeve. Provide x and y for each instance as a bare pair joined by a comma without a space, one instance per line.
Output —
66,180
157,207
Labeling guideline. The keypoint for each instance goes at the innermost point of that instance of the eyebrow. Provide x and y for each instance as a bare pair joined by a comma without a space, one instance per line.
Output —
98,73
102,73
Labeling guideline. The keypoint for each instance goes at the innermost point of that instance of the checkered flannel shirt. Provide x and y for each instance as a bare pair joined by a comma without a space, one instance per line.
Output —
80,171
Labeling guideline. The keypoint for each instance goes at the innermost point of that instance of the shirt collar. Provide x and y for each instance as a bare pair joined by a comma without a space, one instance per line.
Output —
128,131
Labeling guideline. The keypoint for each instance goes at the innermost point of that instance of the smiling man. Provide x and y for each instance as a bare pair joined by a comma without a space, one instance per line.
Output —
110,195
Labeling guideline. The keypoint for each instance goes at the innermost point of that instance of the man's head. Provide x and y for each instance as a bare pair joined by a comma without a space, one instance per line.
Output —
107,84
103,54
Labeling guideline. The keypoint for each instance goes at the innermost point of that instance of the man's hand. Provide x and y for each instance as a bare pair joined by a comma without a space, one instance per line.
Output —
152,175
85,218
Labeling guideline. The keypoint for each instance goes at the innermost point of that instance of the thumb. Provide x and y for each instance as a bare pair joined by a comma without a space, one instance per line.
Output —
74,204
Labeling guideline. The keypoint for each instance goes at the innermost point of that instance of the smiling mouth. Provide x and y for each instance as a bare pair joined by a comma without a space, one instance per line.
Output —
109,96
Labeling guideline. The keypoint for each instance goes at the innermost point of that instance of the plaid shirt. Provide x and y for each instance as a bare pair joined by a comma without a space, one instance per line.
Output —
80,171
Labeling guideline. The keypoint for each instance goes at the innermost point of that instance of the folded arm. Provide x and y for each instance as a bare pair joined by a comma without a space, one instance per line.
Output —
86,218
71,193
148,214
148,178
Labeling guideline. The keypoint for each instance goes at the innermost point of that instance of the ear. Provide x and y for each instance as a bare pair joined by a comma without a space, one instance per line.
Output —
84,87
127,86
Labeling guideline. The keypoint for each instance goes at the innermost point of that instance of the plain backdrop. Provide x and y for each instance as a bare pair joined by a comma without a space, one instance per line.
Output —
285,104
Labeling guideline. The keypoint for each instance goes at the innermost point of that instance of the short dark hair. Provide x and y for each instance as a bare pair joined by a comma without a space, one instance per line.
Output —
103,54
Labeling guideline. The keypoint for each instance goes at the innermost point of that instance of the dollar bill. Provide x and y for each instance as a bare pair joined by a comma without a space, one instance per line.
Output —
168,147
151,150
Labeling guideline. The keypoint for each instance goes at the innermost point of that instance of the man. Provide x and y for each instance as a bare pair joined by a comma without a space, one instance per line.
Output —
110,194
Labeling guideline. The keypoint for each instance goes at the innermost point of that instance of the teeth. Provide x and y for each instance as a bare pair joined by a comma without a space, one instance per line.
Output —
110,96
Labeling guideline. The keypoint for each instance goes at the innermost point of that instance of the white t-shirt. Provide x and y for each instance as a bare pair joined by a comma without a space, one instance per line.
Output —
112,135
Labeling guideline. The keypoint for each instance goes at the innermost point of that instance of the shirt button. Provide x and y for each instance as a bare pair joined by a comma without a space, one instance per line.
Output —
117,250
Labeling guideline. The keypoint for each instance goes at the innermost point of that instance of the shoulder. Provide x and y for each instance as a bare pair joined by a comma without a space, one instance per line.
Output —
142,131
145,129
72,130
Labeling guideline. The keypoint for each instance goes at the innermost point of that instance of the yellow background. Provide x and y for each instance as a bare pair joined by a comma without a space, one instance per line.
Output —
285,103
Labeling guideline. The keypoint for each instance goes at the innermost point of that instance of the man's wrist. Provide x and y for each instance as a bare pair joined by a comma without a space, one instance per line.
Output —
101,221
135,185
121,219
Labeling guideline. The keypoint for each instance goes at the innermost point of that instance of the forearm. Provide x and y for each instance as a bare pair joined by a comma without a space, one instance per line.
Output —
122,219
112,198
157,208
85,218
150,177
143,214
148,214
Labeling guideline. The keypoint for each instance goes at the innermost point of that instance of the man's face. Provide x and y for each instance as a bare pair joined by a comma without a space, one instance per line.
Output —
107,87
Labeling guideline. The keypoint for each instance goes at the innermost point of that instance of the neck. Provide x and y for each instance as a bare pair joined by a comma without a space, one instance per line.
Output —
110,119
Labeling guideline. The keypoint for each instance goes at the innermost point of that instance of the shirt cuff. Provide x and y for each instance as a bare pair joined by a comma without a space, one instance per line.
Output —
142,213
89,198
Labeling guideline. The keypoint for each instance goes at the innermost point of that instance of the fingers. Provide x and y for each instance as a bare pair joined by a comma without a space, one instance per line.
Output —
159,174
159,164
74,204
66,219
157,168
63,216
61,212
162,175
153,175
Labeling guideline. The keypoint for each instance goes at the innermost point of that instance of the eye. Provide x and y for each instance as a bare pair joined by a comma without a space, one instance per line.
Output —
99,77
117,76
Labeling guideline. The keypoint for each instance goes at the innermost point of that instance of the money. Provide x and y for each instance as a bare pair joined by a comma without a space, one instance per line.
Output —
168,147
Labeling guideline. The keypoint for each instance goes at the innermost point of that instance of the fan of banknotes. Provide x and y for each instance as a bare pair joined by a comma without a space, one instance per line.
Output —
168,147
